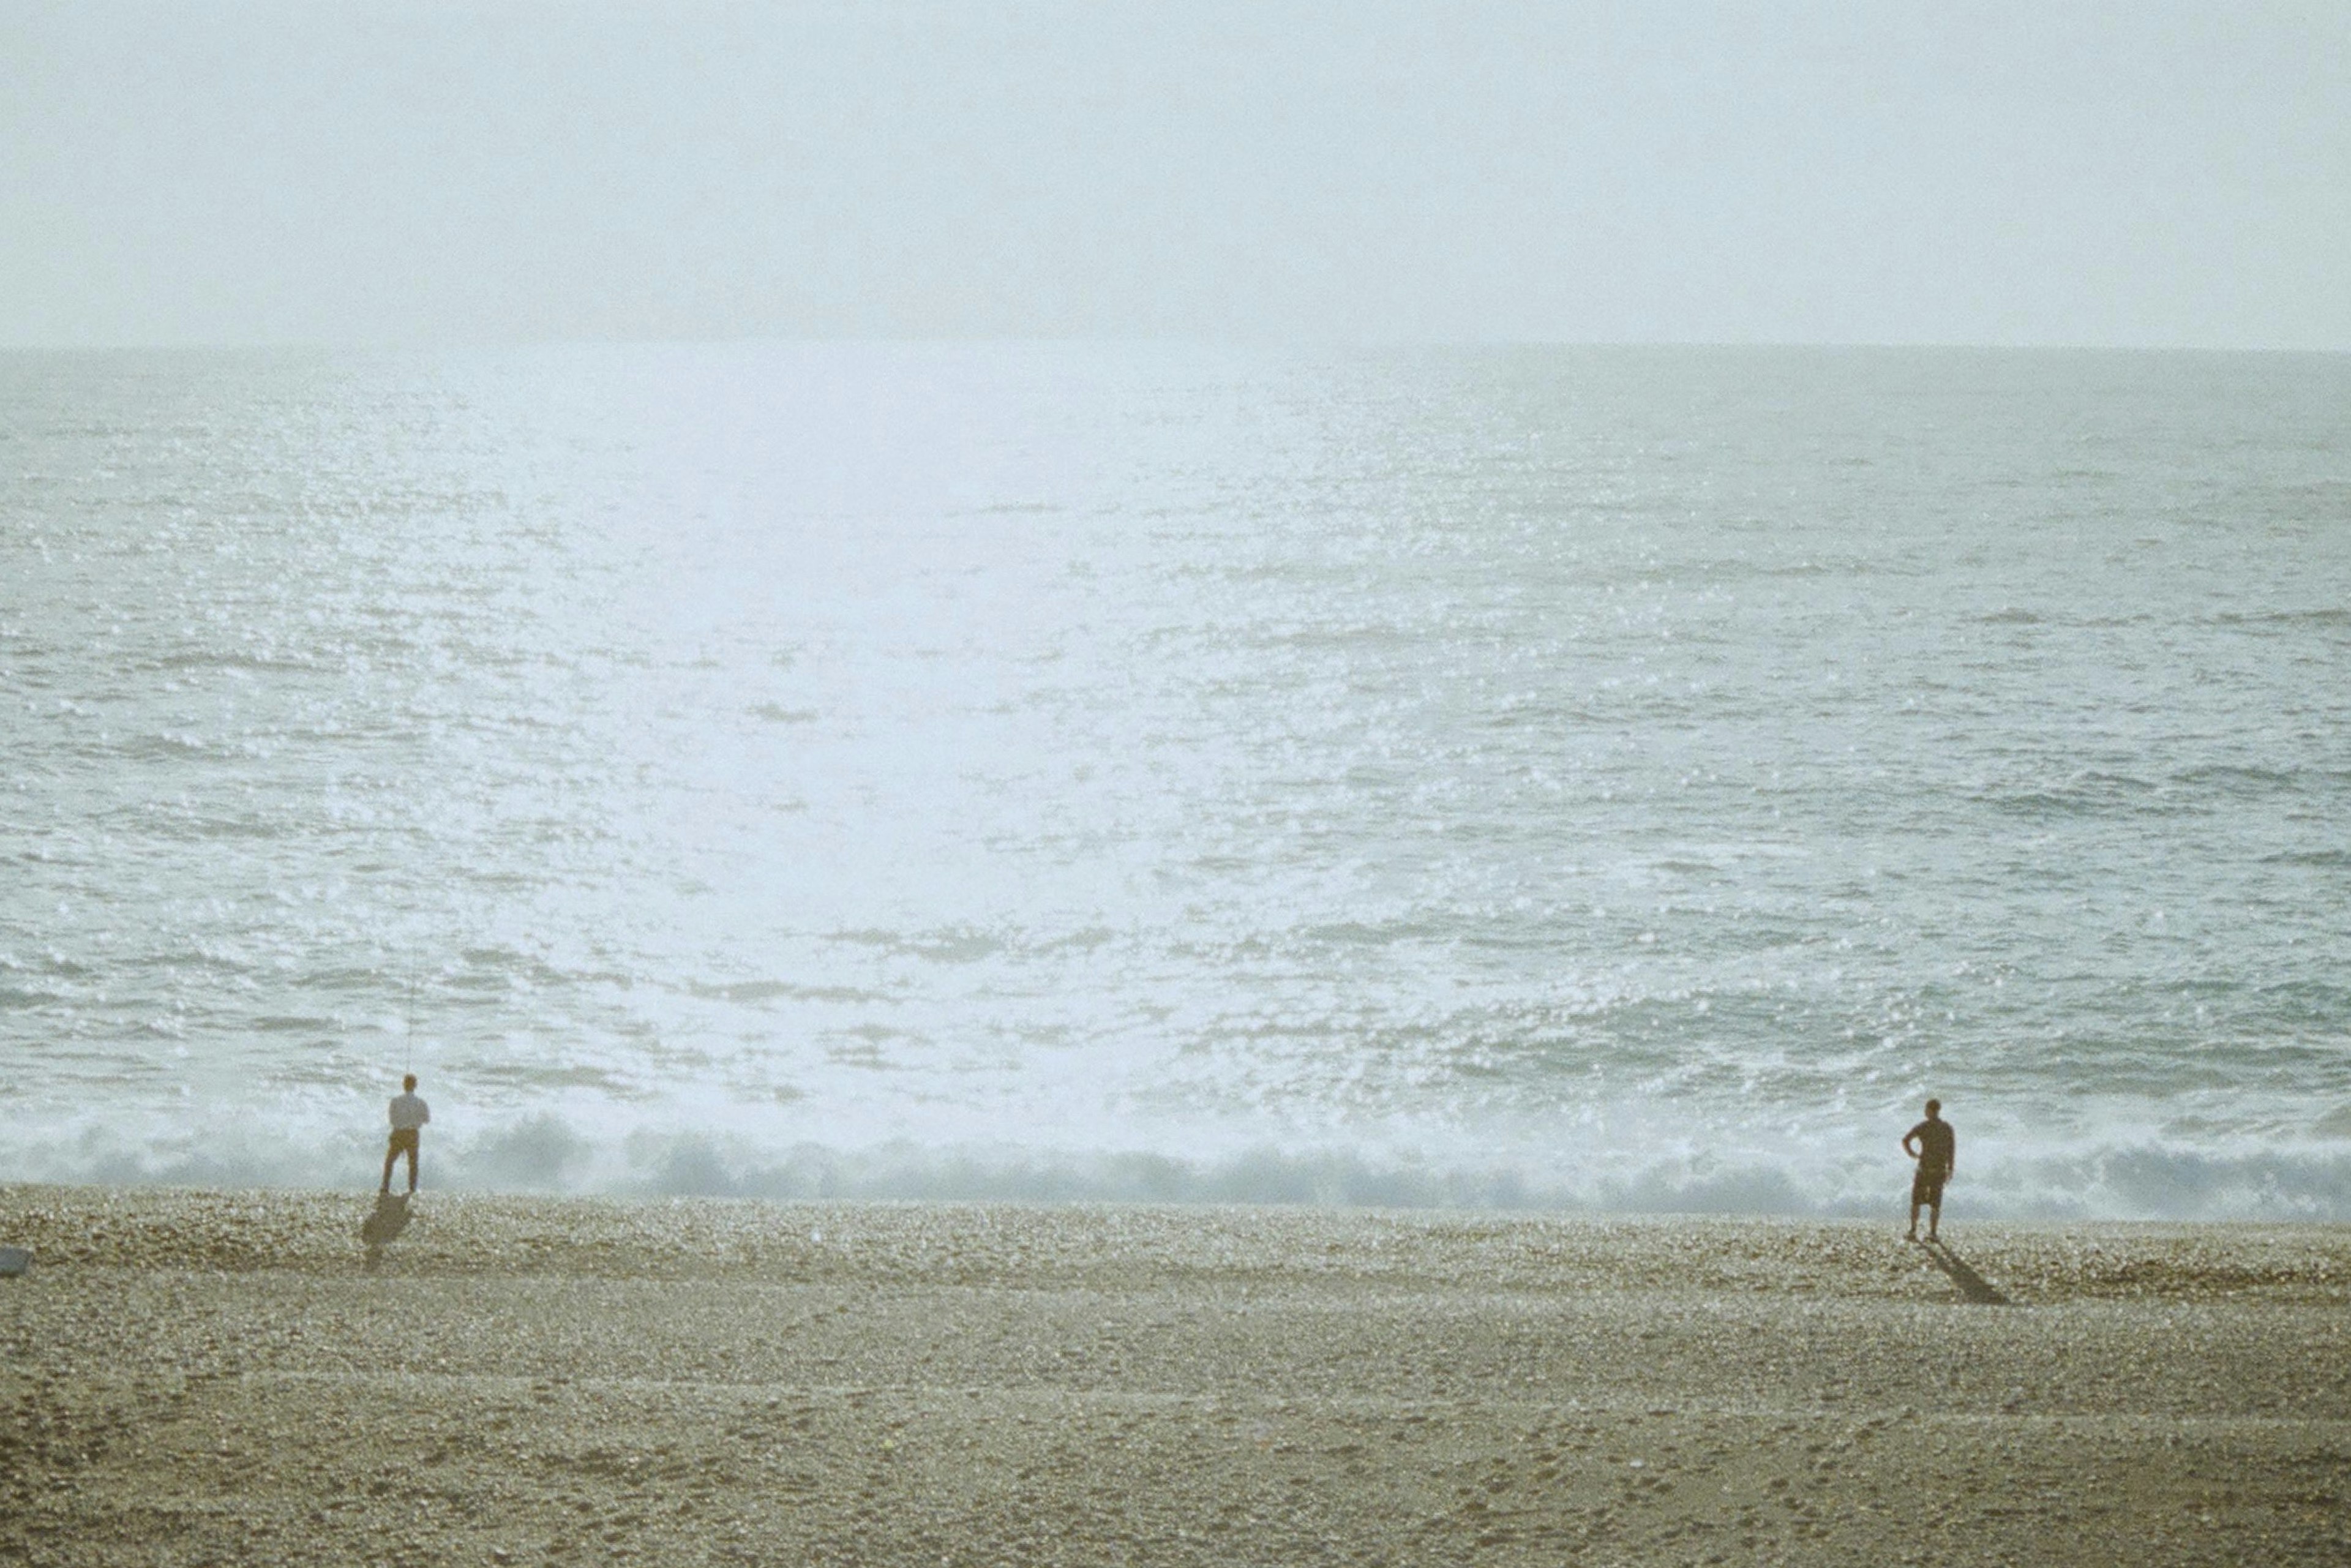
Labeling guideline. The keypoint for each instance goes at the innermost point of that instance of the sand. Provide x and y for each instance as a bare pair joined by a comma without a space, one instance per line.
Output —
191,1377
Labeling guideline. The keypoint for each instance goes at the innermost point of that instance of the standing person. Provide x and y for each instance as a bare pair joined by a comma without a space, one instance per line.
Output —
408,1115
1936,1148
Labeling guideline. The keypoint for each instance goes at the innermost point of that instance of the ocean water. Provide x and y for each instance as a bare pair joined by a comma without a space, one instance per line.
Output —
1601,778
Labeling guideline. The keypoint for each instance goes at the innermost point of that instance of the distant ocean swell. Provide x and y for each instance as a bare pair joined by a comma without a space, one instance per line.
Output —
1588,780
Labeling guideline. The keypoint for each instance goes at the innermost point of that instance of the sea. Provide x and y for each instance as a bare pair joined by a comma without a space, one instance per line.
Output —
1600,779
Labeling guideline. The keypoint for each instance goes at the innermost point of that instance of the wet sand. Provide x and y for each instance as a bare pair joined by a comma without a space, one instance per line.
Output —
217,1378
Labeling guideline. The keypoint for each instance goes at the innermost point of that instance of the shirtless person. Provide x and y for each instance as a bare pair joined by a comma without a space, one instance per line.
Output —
408,1115
1936,1148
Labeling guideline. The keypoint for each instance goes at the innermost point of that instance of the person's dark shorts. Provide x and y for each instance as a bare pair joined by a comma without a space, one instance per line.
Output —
1927,1186
403,1141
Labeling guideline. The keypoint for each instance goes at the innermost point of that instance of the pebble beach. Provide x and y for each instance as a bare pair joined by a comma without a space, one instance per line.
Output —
193,1378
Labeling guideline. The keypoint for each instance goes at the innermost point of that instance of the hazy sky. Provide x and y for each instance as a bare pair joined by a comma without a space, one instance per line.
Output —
2139,173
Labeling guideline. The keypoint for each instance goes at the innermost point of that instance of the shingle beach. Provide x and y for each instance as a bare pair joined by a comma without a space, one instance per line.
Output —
202,1377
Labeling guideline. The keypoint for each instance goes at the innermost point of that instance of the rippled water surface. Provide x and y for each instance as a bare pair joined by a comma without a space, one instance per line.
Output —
1632,778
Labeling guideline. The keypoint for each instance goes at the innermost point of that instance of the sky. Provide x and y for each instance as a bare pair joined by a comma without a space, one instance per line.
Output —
2141,174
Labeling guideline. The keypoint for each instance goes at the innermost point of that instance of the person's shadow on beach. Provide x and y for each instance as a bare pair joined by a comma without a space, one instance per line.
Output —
383,1226
1973,1286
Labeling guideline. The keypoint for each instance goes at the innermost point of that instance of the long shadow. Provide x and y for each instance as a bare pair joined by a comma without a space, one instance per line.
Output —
383,1227
1973,1285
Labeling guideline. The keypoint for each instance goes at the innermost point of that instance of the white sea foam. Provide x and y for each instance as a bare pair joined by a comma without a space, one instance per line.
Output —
2306,1179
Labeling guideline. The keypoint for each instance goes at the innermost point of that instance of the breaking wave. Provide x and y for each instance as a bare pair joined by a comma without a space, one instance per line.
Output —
546,1154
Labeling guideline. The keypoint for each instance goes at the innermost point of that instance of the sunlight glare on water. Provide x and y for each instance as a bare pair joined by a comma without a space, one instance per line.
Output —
1631,777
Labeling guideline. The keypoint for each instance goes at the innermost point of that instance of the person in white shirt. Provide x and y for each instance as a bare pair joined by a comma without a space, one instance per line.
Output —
408,1114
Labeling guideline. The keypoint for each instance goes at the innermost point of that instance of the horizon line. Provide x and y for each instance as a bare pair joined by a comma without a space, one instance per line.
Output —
1236,341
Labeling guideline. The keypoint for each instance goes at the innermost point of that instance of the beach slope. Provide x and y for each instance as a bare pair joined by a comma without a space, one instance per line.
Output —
191,1377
